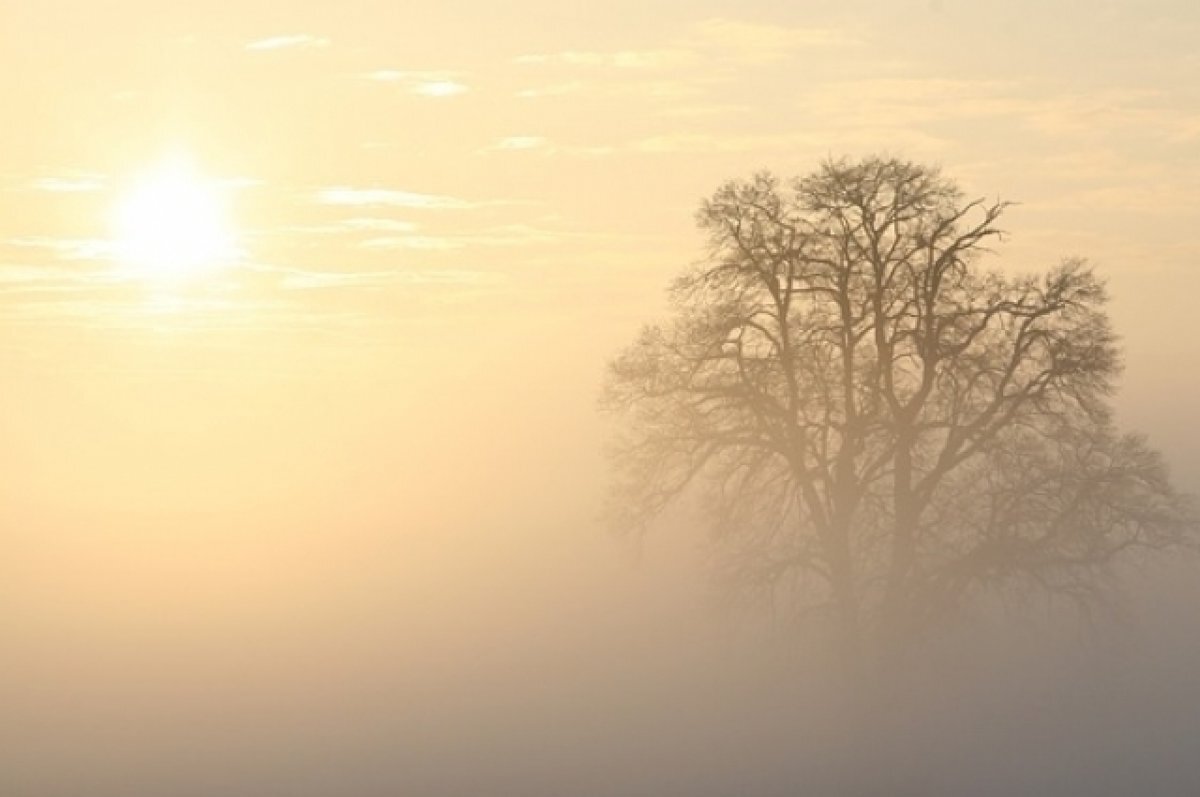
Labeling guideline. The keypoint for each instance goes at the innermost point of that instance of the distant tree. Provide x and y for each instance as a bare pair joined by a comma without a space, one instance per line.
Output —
882,428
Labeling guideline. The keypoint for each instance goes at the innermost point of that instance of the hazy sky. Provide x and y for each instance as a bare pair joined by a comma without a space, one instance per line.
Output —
374,433
420,193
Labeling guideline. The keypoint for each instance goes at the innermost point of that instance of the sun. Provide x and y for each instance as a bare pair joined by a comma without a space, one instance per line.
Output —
173,224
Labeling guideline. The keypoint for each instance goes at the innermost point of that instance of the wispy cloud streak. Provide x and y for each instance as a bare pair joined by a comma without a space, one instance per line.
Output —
385,197
427,84
74,184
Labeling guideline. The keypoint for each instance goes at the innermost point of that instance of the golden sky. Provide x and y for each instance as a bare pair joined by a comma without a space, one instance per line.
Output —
484,169
444,218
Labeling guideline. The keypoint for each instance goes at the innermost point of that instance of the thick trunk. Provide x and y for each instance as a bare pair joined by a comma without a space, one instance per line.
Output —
840,552
906,514
846,601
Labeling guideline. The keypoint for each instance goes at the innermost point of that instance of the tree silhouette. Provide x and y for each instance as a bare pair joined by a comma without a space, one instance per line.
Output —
882,428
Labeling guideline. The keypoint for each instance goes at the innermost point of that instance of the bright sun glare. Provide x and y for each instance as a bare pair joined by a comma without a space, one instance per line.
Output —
173,224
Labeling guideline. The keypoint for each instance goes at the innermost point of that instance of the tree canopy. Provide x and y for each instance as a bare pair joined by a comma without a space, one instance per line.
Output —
882,426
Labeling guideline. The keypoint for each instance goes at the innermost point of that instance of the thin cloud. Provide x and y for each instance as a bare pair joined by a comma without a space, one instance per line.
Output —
680,86
385,197
369,224
851,138
508,235
366,224
620,59
708,42
285,42
136,311
19,277
519,144
703,143
68,248
70,185
426,243
389,75
427,84
1077,117
543,146
296,279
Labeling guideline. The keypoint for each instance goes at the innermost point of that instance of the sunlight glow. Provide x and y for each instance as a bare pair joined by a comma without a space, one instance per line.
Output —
173,224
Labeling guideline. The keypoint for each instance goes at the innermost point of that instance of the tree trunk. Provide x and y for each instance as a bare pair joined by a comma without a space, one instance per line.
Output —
896,609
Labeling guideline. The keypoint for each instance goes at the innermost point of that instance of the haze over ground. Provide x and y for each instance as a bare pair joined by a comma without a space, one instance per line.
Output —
324,521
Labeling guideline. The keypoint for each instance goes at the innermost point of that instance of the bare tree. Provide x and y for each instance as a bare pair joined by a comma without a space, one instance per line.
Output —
882,427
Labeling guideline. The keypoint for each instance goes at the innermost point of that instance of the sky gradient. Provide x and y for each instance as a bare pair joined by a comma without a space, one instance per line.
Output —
374,431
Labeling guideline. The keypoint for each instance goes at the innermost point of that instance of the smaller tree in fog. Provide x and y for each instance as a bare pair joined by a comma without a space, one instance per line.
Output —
881,427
